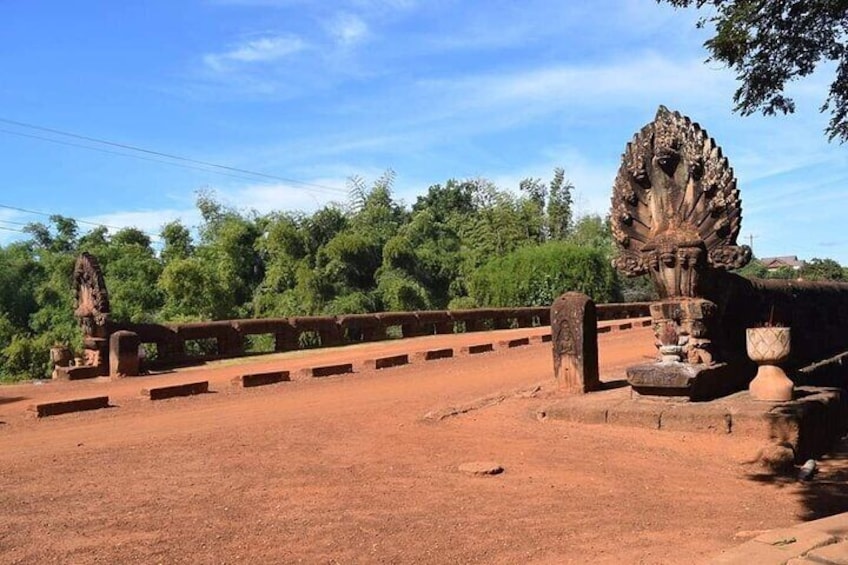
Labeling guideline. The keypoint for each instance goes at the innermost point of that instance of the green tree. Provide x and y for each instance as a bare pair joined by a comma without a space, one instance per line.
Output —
131,271
176,240
754,269
535,276
822,270
772,43
559,214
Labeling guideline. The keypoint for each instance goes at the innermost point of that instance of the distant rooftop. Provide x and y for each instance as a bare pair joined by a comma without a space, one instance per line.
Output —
791,261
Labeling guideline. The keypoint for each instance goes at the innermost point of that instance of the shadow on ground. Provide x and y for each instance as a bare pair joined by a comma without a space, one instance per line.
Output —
10,399
826,493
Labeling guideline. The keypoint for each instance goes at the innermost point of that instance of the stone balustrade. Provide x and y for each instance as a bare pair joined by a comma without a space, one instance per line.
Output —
228,338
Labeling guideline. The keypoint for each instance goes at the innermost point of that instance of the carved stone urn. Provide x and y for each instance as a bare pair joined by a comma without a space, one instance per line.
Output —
767,347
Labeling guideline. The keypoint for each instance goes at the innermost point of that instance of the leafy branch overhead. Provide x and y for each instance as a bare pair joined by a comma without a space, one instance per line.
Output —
771,43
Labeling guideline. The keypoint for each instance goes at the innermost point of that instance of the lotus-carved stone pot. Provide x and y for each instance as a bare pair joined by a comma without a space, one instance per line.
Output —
767,347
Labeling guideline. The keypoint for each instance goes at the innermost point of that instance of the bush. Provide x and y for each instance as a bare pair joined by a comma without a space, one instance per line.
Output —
24,358
535,276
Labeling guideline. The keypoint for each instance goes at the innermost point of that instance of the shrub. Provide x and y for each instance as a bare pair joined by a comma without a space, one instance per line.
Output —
535,276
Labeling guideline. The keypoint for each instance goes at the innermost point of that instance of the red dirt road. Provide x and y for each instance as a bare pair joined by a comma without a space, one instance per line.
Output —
347,469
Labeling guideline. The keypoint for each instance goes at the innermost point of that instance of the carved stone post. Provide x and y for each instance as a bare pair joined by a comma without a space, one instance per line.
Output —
123,354
574,327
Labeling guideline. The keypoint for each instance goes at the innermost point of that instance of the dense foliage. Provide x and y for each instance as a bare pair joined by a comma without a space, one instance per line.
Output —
462,244
770,44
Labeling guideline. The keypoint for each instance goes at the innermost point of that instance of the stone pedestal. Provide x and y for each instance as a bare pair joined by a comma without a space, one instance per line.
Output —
96,354
686,381
123,354
691,319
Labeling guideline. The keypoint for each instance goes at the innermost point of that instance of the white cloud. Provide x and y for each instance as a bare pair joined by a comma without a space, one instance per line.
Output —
348,30
265,198
148,221
621,83
261,50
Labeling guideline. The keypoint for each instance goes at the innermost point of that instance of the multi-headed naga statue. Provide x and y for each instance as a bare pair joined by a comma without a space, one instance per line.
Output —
676,211
92,308
676,214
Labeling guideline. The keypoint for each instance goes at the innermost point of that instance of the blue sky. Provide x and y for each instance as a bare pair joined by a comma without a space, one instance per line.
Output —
319,91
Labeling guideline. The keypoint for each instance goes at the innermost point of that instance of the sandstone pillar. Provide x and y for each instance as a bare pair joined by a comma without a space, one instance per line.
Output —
574,327
123,354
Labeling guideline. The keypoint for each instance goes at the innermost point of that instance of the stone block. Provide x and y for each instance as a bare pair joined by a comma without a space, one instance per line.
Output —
261,379
433,354
328,370
171,391
697,382
123,354
582,413
636,414
45,409
836,553
386,362
76,373
511,343
836,525
695,417
775,547
476,349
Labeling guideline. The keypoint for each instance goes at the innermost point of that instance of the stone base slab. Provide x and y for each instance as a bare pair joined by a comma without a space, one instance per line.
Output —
76,373
818,542
809,424
687,381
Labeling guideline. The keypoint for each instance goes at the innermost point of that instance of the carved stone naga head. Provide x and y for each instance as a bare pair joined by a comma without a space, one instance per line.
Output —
676,211
92,298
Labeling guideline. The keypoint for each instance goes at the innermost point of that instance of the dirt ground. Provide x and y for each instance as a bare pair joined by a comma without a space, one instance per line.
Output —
348,469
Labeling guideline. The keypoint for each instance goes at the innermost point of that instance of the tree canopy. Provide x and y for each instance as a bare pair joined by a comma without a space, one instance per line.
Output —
461,244
770,43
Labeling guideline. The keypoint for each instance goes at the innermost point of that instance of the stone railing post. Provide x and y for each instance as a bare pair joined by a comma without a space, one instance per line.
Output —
123,354
574,327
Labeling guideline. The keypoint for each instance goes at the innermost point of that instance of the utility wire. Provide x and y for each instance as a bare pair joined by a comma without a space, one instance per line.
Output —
101,150
161,154
14,222
11,229
46,214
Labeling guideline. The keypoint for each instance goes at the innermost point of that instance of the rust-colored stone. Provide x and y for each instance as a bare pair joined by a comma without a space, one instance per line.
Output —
123,354
574,328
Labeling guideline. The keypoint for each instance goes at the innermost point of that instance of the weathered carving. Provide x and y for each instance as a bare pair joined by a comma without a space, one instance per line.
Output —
676,214
92,310
91,304
676,211
574,327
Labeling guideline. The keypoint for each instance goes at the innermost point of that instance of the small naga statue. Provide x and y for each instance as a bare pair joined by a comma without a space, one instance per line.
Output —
675,216
91,307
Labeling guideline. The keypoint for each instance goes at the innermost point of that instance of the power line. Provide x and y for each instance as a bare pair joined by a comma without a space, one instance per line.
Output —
108,152
11,229
14,222
160,154
46,214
